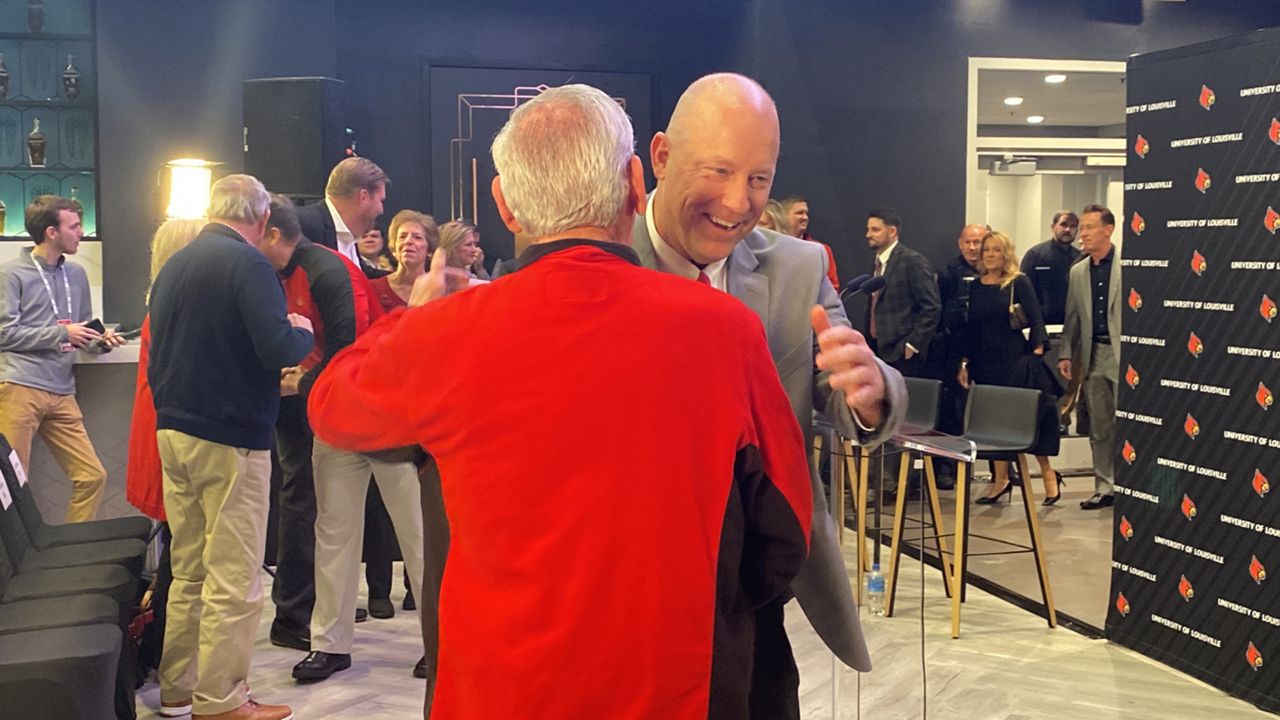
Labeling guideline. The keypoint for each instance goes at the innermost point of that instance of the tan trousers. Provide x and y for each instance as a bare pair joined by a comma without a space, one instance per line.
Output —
25,412
342,481
216,497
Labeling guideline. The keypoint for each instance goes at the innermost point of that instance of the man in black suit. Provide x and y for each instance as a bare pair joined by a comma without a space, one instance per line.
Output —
903,317
353,201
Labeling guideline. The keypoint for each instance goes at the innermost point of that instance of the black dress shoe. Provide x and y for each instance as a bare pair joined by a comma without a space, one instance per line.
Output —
420,670
361,615
283,635
381,608
409,605
318,666
1098,501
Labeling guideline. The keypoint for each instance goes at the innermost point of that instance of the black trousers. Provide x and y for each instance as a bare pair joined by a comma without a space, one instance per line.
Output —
775,680
380,547
294,590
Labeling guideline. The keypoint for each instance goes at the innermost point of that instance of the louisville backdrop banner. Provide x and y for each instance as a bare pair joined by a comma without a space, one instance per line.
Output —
1197,522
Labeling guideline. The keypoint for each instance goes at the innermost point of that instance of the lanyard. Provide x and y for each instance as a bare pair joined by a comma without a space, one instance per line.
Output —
49,289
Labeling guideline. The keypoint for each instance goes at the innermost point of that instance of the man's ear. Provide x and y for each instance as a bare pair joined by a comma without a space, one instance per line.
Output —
638,196
508,218
660,154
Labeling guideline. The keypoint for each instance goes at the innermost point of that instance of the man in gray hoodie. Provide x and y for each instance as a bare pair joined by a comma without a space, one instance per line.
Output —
44,319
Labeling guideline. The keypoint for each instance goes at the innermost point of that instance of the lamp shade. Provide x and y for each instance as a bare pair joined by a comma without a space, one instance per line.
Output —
189,183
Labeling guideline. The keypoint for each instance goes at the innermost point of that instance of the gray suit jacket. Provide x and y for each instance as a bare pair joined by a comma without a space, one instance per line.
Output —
780,278
1077,328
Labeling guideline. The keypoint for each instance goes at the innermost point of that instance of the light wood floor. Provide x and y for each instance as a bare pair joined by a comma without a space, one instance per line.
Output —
1007,665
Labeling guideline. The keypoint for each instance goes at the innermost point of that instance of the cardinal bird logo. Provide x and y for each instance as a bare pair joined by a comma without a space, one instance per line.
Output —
1272,220
1122,605
1198,263
1138,224
1207,97
1264,397
1195,345
1261,484
1141,147
1129,454
1185,589
1267,308
1273,133
1256,570
1126,528
1131,376
1203,181
1189,507
1192,426
1254,657
1135,300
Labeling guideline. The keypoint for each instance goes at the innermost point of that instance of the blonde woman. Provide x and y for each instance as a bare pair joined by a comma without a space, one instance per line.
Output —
774,218
461,240
997,354
411,237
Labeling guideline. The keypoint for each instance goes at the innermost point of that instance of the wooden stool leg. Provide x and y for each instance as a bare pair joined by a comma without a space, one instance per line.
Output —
962,528
935,511
857,467
899,523
1037,545
837,493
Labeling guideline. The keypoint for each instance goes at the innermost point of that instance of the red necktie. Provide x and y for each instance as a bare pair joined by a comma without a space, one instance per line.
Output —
702,278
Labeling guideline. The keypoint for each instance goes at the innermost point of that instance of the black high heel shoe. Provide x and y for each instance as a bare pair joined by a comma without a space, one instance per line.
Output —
1054,499
993,499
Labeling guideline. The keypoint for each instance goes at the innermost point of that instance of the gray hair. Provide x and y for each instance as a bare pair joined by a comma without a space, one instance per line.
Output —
563,159
238,198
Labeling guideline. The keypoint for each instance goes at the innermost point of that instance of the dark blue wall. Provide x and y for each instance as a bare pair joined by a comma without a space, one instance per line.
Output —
872,94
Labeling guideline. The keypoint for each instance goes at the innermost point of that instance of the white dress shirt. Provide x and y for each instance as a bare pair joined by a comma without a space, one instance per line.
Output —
346,241
670,261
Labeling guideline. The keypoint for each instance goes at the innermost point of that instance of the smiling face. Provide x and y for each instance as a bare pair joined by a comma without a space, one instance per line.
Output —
992,255
880,235
798,216
371,242
970,243
411,245
715,166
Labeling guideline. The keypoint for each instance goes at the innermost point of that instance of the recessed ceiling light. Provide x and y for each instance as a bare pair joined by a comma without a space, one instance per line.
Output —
1035,119
1055,78
1013,101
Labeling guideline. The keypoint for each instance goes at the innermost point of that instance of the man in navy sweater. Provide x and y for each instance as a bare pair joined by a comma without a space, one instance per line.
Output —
220,338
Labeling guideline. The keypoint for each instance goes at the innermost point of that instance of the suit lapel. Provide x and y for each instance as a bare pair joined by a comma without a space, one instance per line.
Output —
745,283
642,244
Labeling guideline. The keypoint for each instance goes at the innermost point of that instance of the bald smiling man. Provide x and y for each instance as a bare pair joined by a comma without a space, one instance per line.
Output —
715,165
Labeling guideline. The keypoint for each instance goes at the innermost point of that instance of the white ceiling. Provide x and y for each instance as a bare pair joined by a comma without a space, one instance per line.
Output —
1085,99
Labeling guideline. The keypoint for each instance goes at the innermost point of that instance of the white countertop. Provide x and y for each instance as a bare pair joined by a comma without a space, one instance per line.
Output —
127,353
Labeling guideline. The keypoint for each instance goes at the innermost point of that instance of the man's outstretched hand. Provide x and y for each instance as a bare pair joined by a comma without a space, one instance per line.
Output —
854,370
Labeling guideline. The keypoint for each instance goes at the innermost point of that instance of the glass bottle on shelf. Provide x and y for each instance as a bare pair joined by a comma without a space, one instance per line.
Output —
36,145
3,211
4,79
75,200
71,79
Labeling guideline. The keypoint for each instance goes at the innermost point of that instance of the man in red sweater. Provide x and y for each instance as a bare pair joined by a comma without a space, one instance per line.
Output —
637,488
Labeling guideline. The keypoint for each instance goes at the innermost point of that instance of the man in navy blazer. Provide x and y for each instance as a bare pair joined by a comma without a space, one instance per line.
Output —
715,165
353,200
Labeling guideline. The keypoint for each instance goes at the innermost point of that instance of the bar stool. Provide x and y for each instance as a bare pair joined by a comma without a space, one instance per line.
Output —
1002,422
923,399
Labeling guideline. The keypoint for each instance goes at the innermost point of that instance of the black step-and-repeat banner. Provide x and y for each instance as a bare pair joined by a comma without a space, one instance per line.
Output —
1197,520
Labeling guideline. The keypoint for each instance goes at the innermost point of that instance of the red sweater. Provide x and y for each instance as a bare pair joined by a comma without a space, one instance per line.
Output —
631,487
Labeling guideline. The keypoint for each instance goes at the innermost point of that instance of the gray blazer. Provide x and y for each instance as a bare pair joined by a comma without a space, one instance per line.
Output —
1077,327
780,278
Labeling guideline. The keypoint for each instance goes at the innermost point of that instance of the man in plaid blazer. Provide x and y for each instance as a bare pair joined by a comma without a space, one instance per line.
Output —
901,318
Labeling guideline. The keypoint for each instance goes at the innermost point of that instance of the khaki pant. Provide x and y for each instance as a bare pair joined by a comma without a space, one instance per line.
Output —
216,497
25,412
342,482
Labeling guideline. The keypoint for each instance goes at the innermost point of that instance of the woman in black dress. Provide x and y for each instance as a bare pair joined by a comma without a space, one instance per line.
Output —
995,352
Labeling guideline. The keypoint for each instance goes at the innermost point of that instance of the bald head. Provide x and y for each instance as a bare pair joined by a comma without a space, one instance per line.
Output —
970,241
715,164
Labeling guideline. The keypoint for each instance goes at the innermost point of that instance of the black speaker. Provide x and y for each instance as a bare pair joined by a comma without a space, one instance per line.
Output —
294,132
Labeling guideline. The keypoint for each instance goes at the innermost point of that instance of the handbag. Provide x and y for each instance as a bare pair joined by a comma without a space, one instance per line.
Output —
1017,316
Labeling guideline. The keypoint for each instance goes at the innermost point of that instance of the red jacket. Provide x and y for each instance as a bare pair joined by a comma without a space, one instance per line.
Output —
831,261
144,482
633,487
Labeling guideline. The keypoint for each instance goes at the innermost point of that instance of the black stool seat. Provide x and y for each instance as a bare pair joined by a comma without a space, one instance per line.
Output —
49,613
1001,420
61,674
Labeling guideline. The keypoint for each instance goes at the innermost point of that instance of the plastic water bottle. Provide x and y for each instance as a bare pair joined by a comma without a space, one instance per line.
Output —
875,590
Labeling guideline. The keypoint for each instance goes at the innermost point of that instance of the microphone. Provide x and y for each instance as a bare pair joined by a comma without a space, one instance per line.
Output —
874,285
854,285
